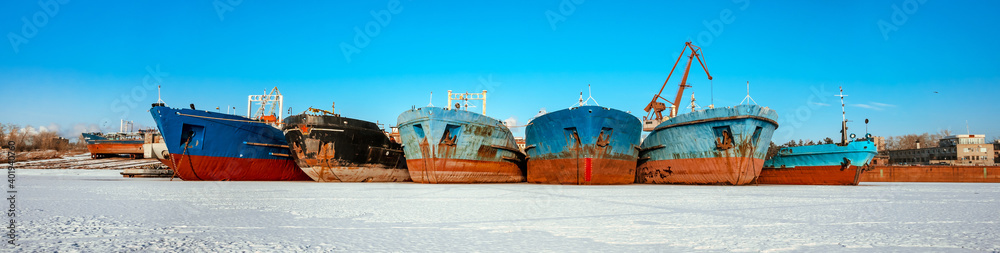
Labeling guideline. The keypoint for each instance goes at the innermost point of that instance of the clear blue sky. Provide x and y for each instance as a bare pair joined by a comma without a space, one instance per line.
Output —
937,65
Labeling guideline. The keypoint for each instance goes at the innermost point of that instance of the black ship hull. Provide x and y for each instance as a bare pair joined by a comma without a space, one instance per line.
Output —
330,148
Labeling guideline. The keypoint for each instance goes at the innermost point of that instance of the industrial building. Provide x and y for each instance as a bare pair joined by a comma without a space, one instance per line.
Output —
970,149
996,152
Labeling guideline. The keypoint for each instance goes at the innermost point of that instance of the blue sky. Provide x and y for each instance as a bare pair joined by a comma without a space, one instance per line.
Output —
78,64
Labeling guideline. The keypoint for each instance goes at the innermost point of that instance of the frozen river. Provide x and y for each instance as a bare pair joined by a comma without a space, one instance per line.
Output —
99,211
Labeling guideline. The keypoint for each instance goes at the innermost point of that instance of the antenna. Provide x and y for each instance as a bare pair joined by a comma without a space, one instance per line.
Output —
711,93
158,100
967,128
590,96
842,107
431,102
748,99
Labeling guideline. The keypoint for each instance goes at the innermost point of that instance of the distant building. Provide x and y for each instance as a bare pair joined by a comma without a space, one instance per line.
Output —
879,143
520,143
880,160
951,150
996,152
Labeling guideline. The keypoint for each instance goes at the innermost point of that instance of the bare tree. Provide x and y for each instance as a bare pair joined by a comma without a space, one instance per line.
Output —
772,150
790,143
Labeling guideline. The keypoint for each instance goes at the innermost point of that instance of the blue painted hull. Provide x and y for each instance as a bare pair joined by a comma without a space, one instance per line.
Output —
215,146
583,145
859,153
454,146
712,146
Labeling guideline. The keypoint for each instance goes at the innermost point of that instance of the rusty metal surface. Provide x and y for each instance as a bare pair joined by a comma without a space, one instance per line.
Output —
711,171
451,171
811,175
356,174
952,174
331,148
454,146
115,148
574,171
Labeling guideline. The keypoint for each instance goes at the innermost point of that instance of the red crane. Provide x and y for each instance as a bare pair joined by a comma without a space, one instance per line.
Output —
655,107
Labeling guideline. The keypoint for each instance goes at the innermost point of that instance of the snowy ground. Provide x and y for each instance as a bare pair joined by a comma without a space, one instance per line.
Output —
99,211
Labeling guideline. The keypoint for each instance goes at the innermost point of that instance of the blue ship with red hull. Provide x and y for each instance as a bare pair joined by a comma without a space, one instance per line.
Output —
824,164
583,145
723,146
216,146
451,145
444,145
108,145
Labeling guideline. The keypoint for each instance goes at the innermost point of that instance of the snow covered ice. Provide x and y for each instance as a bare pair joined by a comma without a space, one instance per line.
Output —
99,211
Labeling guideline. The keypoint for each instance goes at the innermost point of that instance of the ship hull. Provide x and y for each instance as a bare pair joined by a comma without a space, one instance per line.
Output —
109,149
825,164
583,145
811,175
450,170
213,168
719,146
710,171
214,147
453,146
577,171
339,149
100,145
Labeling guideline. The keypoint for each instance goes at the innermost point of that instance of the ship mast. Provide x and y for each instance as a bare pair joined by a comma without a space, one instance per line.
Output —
466,97
655,107
843,123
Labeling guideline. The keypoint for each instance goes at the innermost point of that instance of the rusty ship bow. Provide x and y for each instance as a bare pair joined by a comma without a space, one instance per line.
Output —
332,148
583,145
454,146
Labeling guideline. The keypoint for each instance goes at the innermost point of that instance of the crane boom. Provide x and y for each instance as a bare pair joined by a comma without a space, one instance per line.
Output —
655,107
